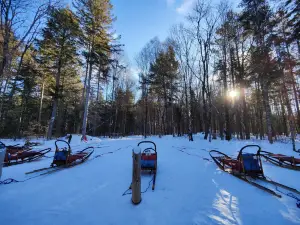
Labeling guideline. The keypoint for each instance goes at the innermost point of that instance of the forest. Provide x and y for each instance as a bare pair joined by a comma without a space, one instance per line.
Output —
224,72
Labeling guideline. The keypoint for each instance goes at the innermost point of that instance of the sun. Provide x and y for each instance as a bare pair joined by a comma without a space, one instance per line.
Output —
233,93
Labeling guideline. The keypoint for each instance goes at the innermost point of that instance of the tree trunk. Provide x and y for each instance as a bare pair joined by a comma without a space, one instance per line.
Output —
87,97
245,114
41,103
187,111
290,114
266,101
82,100
259,110
283,115
55,99
293,84
206,124
20,121
52,119
59,119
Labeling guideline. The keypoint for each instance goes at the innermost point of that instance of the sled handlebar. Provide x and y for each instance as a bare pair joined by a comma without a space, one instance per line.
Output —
218,152
57,149
150,142
247,146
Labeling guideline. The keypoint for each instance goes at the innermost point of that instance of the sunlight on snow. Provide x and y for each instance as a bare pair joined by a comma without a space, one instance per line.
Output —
292,215
227,206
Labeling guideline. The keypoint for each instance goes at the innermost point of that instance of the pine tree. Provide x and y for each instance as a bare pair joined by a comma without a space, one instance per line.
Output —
96,19
58,51
256,19
164,75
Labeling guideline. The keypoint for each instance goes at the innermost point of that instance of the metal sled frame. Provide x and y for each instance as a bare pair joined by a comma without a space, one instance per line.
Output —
236,168
13,149
58,165
25,156
284,161
81,156
152,151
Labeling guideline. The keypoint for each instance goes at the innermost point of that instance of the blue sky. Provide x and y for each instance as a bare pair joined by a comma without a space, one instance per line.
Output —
140,20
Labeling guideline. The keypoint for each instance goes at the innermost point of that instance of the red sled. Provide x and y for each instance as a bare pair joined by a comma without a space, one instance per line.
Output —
149,160
64,156
289,162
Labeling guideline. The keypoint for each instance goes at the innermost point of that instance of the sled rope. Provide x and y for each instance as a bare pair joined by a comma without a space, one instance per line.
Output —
106,153
11,180
290,194
201,157
129,193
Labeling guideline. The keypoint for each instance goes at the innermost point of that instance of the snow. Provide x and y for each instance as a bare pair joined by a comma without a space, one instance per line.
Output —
2,155
137,150
189,189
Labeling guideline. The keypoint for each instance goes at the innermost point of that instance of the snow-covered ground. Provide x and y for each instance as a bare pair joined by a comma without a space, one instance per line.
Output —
189,189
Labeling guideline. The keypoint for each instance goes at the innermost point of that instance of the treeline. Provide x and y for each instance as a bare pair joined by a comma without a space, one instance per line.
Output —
223,72
55,60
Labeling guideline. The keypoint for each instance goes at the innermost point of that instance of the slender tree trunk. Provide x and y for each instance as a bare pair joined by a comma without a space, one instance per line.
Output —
293,84
221,126
2,99
190,106
165,106
82,100
266,101
20,121
187,110
239,122
41,103
245,114
259,110
290,114
52,119
205,116
98,84
55,98
283,115
87,97
116,118
125,121
59,119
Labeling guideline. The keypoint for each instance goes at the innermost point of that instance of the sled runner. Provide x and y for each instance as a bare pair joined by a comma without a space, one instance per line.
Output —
149,160
64,158
289,162
247,167
24,156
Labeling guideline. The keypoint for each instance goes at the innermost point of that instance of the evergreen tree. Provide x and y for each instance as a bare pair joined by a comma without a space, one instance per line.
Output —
257,19
95,18
164,76
58,51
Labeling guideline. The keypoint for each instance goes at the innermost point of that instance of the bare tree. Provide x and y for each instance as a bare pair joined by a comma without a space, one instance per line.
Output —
183,44
16,23
204,22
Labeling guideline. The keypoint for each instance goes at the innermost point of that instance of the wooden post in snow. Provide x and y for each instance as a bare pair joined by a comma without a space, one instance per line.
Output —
2,156
136,176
